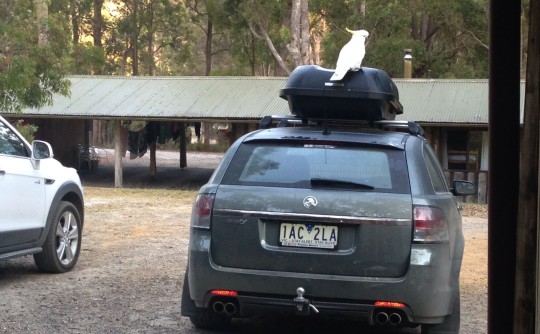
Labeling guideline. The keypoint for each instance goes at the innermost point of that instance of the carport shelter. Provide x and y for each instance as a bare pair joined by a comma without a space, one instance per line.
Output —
454,113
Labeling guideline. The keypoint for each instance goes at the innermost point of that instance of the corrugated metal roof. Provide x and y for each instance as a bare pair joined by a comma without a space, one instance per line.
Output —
448,101
248,98
168,98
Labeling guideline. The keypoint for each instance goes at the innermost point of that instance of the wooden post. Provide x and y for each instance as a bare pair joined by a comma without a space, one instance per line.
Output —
233,133
503,177
153,164
118,154
183,145
526,299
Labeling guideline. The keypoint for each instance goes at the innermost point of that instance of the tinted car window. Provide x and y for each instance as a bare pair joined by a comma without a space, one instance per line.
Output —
308,165
10,143
437,179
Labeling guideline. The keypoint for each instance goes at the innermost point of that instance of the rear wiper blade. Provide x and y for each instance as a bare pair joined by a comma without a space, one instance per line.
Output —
315,182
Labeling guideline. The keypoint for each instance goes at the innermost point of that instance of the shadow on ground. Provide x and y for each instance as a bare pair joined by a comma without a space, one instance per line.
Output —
136,173
139,177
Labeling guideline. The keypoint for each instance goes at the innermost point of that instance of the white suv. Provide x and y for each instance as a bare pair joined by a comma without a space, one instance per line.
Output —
41,204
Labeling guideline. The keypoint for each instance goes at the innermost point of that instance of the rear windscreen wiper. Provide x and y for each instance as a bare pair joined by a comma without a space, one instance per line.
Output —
339,184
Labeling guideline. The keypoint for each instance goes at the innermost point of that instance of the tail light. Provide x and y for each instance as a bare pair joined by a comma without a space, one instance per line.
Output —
381,303
201,213
225,293
430,225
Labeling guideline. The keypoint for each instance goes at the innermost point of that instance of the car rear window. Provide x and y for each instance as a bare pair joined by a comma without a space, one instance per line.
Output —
310,165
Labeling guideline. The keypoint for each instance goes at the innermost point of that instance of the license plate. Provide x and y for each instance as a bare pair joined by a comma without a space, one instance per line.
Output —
308,235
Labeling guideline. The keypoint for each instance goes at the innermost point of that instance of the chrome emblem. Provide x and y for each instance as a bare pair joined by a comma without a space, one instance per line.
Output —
310,202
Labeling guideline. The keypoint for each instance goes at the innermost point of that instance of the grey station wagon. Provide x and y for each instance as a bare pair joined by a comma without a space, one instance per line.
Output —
328,219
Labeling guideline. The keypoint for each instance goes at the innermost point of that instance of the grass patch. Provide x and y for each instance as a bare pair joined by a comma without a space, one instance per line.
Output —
176,195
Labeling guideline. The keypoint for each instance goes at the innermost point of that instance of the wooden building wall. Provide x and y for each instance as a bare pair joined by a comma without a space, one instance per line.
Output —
64,135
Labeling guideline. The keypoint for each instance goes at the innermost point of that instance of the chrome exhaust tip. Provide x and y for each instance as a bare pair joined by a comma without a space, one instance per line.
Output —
218,307
394,319
381,318
230,308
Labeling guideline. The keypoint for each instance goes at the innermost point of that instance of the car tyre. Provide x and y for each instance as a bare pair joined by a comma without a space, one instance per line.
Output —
207,319
451,322
63,244
201,317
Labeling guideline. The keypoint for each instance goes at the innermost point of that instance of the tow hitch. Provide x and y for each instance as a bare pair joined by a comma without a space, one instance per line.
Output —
303,305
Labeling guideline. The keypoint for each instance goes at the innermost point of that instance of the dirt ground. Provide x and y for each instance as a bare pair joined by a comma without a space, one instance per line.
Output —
129,275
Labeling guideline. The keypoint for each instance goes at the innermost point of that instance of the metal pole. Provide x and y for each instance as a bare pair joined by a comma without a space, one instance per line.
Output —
407,64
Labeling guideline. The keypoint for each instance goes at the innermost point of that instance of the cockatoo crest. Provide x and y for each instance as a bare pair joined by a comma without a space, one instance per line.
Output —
351,55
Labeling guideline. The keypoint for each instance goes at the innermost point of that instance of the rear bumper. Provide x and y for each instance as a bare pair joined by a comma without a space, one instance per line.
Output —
427,289
257,305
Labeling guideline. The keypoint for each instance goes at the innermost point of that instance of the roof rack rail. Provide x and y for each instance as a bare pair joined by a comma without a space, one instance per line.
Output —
412,127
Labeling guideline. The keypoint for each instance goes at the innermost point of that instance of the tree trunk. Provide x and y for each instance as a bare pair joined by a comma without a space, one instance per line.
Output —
42,13
304,31
151,39
208,47
294,46
99,126
252,58
270,45
75,18
299,46
97,24
135,40
526,300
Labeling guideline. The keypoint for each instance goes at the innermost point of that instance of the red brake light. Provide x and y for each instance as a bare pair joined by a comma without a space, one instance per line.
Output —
429,224
201,212
225,293
389,304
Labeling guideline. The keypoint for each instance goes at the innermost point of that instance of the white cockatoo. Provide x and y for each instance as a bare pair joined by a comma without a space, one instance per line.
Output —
351,55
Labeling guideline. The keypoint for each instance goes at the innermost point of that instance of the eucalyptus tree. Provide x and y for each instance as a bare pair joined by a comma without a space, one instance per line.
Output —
140,33
86,25
248,54
32,55
448,38
211,18
269,21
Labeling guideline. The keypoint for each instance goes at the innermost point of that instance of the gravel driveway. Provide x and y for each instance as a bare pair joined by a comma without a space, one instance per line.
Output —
129,275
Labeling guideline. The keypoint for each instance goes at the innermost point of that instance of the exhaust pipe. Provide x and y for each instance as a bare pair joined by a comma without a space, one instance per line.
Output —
230,308
381,318
218,307
395,319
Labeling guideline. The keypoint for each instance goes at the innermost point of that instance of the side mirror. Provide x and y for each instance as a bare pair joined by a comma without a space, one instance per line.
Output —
463,188
41,150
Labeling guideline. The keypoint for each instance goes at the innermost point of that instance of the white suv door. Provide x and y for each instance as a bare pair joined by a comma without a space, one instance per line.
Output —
22,191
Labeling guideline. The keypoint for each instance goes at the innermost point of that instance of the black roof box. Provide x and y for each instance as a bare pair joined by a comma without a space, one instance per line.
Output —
368,94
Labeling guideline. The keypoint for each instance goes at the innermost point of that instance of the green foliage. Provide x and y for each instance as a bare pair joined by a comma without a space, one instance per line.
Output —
26,130
29,74
87,59
448,38
388,54
168,37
